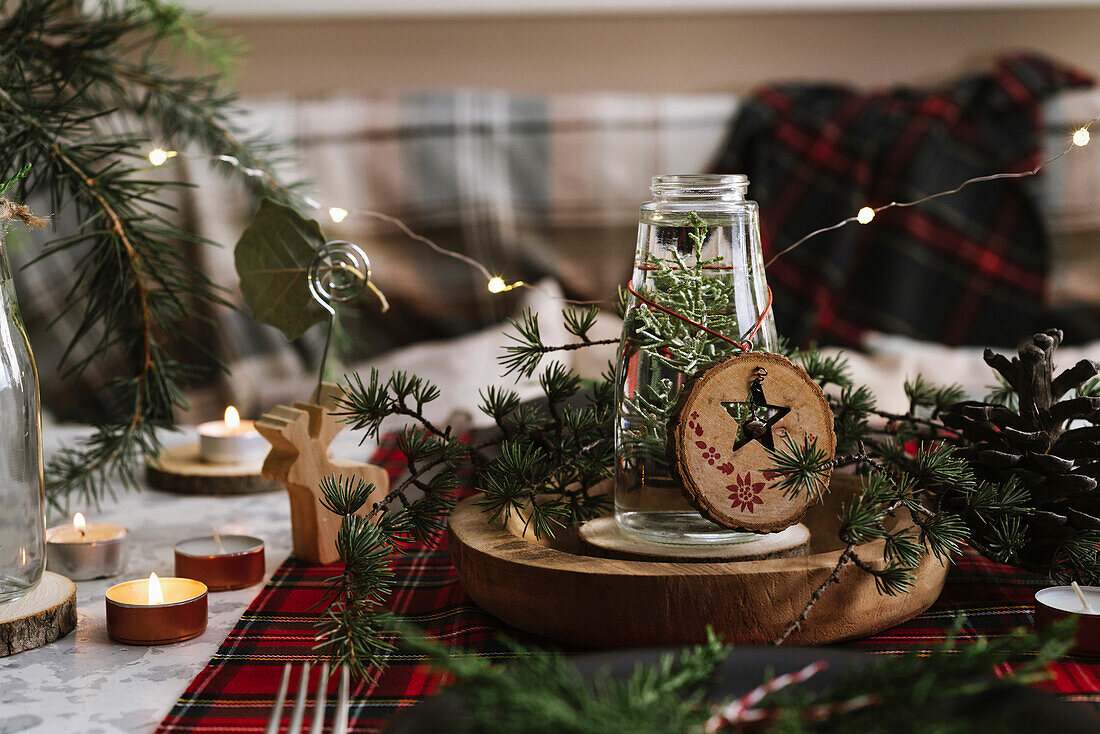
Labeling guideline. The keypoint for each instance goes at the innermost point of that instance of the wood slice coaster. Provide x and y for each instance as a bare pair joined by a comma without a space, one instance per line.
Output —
608,539
47,613
558,591
180,470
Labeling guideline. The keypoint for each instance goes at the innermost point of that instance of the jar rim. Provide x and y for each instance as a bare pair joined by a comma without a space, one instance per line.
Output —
701,179
700,185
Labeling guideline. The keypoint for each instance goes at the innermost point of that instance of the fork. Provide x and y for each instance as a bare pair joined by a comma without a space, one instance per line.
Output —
339,721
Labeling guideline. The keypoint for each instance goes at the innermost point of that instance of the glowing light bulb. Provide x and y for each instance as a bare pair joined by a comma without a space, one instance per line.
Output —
496,284
157,156
156,596
338,215
865,215
232,418
80,523
1081,137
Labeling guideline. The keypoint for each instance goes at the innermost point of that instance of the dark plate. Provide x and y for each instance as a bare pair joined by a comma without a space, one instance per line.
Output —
746,667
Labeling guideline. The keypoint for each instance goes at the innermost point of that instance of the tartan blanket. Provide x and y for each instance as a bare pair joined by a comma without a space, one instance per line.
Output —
235,692
963,269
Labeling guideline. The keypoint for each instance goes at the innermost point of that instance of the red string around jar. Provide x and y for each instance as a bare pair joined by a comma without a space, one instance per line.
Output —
745,346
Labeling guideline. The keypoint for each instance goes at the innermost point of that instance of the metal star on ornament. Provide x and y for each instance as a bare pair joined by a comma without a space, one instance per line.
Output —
755,417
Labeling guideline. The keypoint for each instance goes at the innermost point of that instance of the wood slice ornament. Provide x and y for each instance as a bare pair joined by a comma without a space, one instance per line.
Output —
300,437
724,424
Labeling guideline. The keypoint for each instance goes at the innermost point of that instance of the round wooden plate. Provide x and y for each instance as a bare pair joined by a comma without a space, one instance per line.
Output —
180,470
552,589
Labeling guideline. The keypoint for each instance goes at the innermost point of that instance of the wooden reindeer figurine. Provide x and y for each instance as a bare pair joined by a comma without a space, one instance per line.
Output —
299,458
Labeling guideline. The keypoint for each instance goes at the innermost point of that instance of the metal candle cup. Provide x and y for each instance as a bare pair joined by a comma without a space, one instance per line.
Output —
132,619
100,551
237,563
231,441
1058,602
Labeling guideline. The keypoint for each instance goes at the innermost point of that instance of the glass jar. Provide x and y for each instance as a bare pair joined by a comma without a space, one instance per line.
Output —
699,255
22,498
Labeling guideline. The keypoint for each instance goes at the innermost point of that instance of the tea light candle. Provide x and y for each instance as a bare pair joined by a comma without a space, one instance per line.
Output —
222,562
156,611
86,550
1059,602
231,441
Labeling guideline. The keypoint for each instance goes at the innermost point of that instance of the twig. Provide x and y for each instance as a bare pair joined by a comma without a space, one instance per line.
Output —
833,578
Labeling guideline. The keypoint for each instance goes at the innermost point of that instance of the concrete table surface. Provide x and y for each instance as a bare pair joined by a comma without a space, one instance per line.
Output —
86,683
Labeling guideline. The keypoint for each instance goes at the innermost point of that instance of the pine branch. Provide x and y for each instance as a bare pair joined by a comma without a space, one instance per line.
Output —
352,631
71,73
524,356
542,692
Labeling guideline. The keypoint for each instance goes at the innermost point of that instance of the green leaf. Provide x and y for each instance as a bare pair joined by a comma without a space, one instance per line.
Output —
272,258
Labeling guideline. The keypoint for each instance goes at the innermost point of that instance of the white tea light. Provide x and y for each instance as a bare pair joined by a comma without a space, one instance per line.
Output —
1082,602
1067,599
231,441
84,550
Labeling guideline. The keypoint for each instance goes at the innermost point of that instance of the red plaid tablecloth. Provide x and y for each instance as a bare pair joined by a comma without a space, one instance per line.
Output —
235,692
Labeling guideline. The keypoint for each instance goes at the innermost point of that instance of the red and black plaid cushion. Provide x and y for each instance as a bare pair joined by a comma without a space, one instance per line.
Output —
969,268
235,692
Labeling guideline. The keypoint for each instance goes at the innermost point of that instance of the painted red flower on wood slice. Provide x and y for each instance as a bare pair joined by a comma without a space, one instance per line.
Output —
745,493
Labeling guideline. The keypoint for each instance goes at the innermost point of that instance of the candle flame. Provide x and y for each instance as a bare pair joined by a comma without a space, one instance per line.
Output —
79,523
232,418
156,596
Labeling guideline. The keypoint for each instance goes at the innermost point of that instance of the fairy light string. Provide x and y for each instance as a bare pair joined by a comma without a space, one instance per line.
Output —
866,215
495,283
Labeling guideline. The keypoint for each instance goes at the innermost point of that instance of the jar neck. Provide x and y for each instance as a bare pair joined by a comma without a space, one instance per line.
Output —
699,187
5,268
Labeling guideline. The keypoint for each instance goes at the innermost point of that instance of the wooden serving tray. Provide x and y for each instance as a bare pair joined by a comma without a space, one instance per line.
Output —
552,588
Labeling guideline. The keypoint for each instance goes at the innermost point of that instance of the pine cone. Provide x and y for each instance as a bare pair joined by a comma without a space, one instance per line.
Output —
1051,446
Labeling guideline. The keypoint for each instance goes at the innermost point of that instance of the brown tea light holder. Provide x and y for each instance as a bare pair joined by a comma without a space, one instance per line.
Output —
134,618
300,437
221,562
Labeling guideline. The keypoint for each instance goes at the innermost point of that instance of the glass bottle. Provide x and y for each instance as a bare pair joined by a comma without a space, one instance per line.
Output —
22,499
699,255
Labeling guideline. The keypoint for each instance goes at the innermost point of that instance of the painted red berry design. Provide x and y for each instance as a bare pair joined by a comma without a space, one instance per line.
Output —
711,455
745,493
